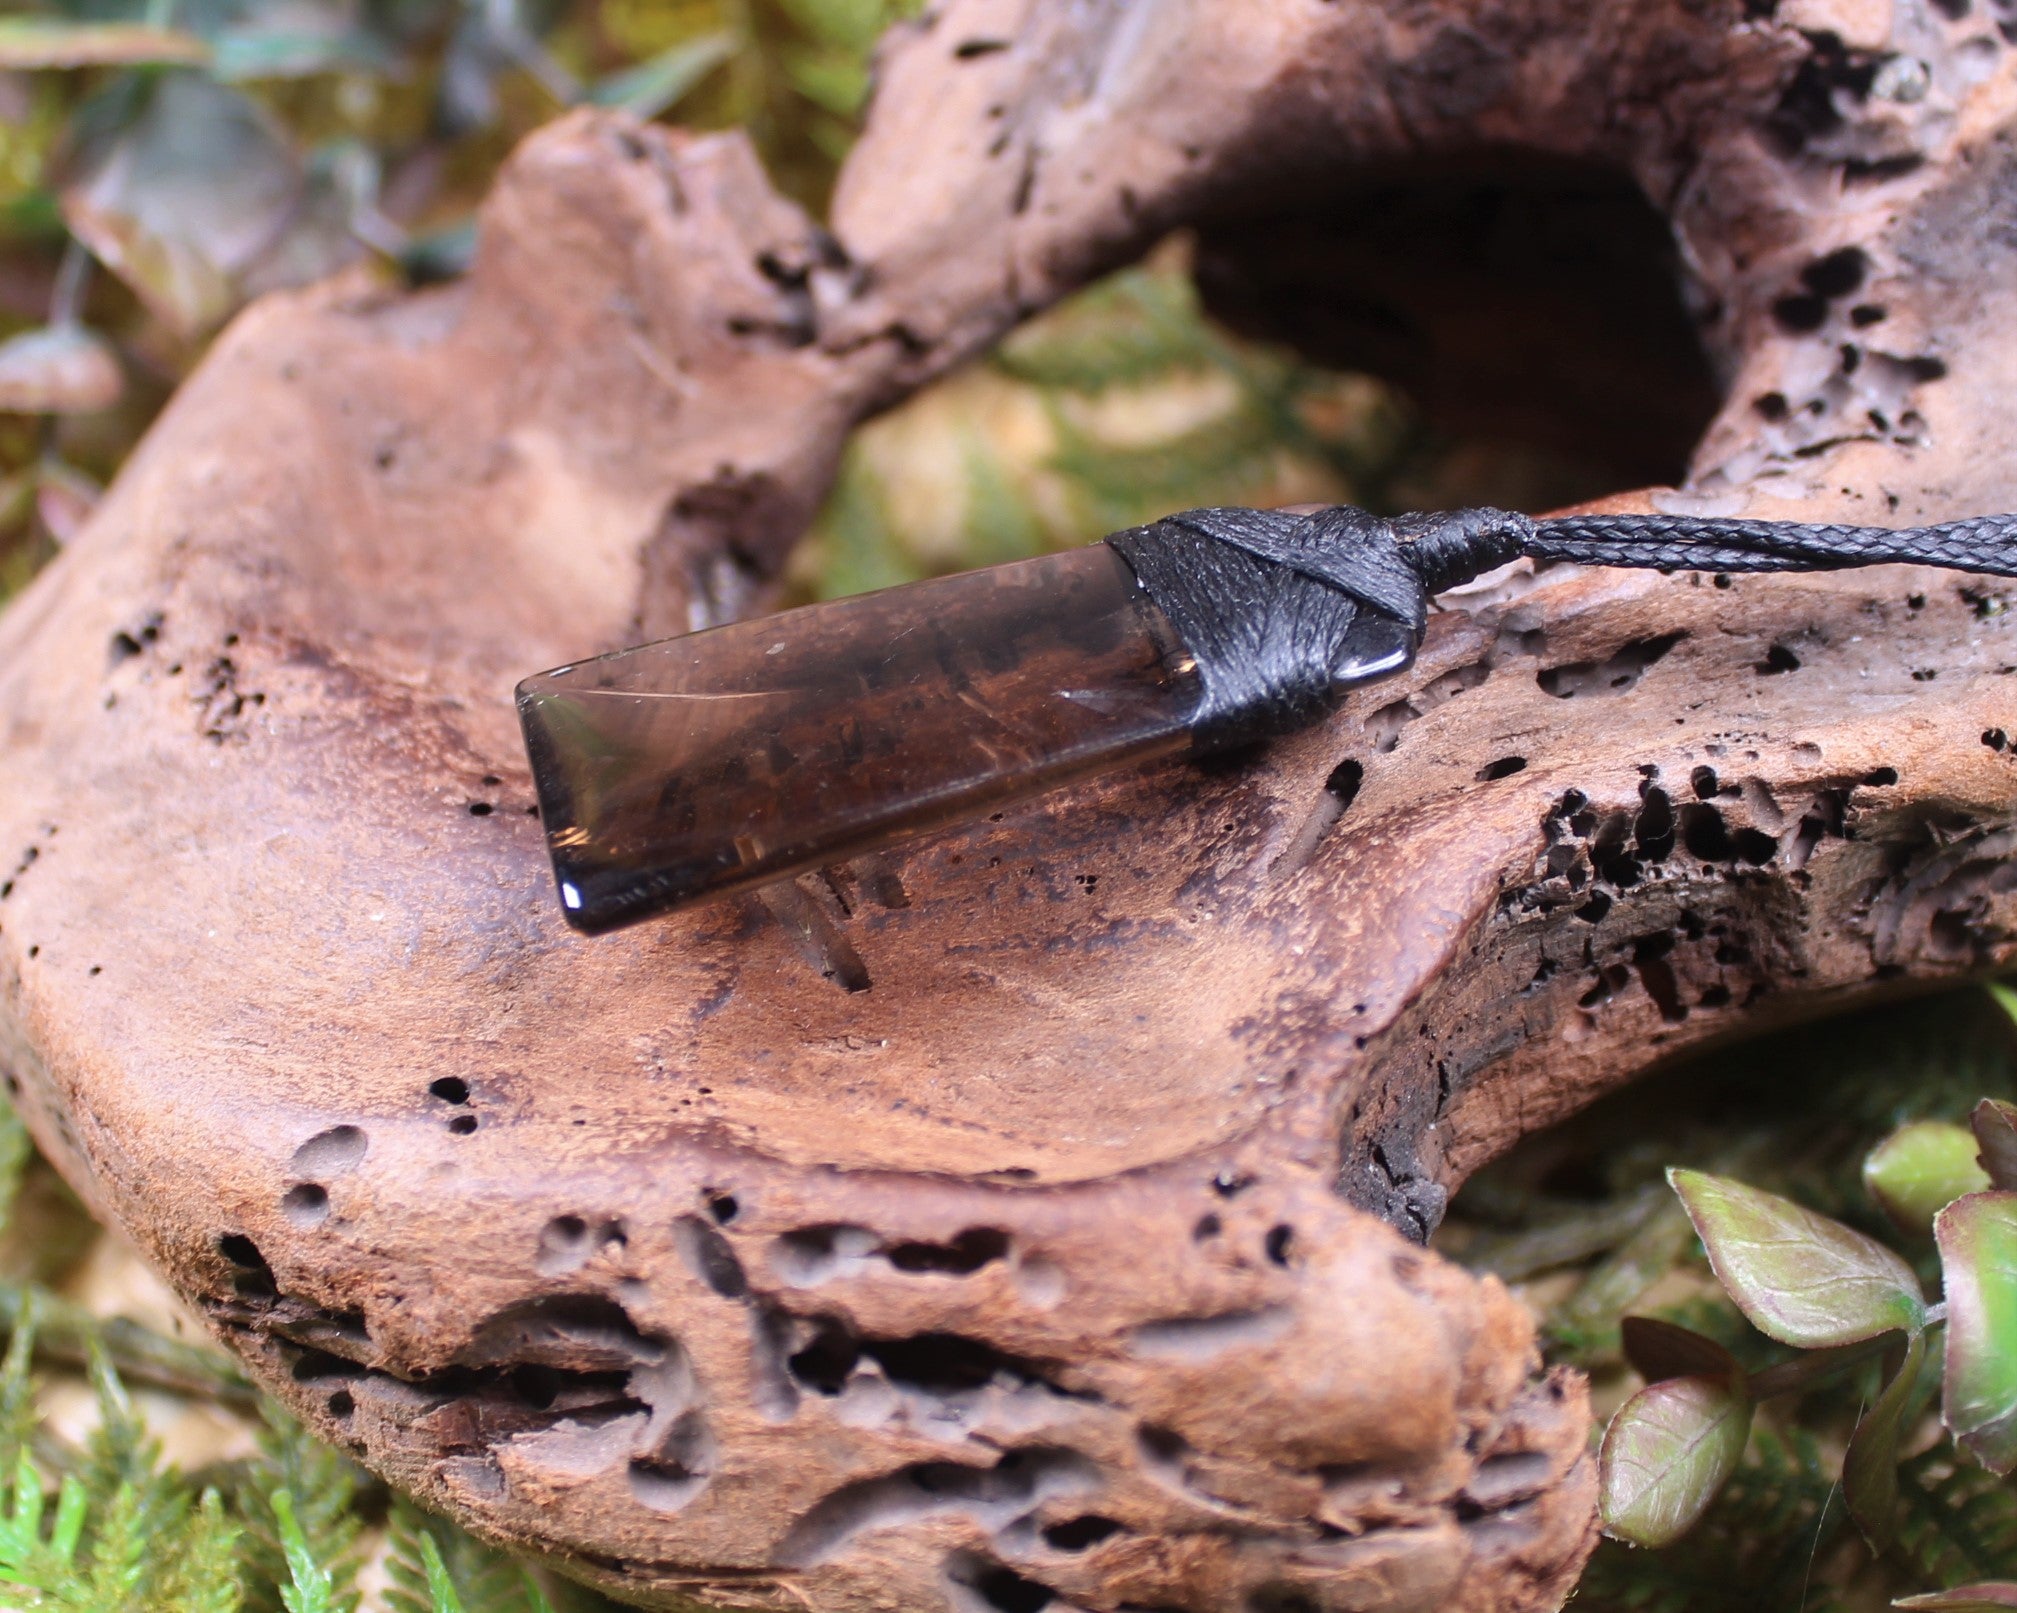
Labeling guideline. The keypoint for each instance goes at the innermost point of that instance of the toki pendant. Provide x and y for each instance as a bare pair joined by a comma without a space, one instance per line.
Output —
743,754
740,755
746,754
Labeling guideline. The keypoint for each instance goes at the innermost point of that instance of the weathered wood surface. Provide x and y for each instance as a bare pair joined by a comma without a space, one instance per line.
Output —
1071,1256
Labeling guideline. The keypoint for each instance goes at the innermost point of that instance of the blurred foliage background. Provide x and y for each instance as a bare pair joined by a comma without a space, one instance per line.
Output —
164,161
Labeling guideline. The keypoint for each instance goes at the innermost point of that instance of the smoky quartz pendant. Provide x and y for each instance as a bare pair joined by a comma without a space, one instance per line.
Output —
743,754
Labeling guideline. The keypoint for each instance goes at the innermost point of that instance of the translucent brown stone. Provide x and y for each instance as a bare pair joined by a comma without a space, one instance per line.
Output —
743,754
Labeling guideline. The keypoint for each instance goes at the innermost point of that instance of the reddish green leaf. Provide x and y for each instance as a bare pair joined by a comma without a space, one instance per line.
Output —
32,42
1870,1468
59,369
1800,1277
1666,1454
1987,1596
1994,1126
1658,1350
1978,1264
1920,1169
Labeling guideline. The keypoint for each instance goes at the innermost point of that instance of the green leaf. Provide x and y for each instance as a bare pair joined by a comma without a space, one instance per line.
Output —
177,186
1957,1522
440,1588
1994,1126
831,78
1658,1350
34,42
1545,1233
1138,326
858,543
120,1559
1798,1277
25,1557
1752,1551
431,1566
652,86
139,1507
119,1450
71,1502
1001,523
17,1385
1667,1452
204,1576
27,1511
312,1586
1585,1324
258,52
1986,1596
15,1151
1920,1169
321,1488
1977,1237
855,24
1870,1467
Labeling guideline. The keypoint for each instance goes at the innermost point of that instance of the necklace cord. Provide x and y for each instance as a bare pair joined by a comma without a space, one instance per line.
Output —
1980,543
1284,612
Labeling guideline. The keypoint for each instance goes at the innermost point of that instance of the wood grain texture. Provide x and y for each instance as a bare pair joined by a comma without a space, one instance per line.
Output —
1070,1256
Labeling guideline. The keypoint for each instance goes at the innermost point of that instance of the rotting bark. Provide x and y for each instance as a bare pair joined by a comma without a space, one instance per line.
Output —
1040,1269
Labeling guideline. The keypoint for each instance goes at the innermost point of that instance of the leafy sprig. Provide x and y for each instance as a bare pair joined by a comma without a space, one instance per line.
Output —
1843,1298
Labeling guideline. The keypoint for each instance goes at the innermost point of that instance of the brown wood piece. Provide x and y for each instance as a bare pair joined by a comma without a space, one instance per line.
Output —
1071,1258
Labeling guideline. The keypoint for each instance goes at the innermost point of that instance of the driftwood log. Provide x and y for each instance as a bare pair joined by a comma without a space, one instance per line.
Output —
1032,1217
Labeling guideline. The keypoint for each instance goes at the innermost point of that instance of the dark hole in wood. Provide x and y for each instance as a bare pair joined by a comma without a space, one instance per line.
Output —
967,1252
1394,270
1011,1592
1836,275
241,1251
1076,1534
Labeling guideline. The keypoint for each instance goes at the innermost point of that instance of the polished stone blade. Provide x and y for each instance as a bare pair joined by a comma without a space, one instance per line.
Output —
739,755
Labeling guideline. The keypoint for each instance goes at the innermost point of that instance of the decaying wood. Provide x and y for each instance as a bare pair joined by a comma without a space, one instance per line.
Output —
1026,1217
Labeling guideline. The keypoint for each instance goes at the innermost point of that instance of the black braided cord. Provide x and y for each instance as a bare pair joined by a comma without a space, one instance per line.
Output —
1284,611
1981,543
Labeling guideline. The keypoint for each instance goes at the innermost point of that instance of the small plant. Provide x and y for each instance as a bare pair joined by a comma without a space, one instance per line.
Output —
1846,1301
